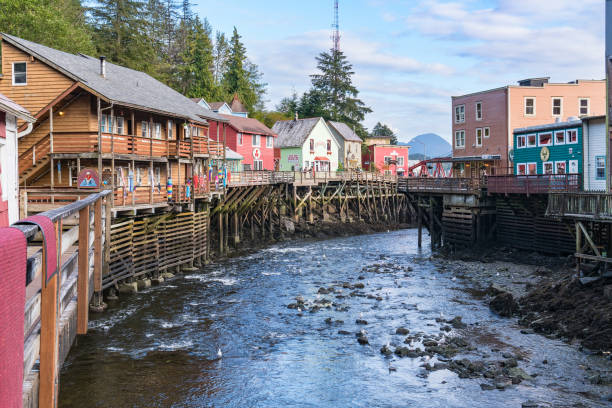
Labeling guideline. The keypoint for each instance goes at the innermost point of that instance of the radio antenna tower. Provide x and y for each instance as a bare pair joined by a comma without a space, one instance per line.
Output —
336,27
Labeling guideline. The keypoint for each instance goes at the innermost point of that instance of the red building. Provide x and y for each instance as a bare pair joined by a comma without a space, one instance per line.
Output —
250,138
386,159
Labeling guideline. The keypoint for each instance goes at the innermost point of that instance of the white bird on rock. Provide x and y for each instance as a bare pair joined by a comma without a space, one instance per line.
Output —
219,353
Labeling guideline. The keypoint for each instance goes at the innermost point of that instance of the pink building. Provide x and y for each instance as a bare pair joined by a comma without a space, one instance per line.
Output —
250,138
386,158
483,122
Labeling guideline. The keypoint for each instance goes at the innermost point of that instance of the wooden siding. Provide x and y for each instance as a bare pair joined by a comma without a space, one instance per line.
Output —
594,146
557,152
43,82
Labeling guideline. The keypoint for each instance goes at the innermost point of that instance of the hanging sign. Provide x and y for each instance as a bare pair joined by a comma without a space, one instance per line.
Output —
545,154
88,178
256,154
293,158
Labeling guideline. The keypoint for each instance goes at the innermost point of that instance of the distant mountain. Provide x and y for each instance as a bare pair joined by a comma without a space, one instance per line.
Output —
429,144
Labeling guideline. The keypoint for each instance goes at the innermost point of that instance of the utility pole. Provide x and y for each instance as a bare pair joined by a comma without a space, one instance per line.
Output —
336,28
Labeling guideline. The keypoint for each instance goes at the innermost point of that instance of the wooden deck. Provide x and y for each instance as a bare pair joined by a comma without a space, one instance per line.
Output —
536,184
581,206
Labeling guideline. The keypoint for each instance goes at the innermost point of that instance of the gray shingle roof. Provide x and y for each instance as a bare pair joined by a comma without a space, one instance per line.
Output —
8,105
232,155
345,131
293,133
549,126
121,85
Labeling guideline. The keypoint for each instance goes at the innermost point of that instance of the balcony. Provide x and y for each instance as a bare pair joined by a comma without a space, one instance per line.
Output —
535,184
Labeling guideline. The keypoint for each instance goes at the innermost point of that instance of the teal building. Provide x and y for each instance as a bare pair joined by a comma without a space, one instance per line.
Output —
556,148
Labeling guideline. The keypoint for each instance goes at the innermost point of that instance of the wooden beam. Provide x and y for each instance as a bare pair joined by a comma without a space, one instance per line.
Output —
588,238
98,246
83,274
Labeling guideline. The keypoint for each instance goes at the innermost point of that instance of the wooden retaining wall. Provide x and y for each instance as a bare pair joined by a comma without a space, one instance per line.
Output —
154,244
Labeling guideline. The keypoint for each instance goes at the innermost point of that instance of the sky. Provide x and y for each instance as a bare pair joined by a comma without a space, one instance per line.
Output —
411,56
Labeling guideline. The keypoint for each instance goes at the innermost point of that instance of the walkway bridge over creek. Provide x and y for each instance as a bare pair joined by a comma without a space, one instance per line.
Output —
122,248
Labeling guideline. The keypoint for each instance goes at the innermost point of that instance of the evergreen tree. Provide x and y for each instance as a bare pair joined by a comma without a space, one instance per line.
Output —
121,33
289,105
59,24
334,84
198,80
312,104
221,56
381,130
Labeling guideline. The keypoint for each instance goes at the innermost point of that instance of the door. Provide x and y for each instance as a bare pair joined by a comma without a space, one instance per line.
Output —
573,167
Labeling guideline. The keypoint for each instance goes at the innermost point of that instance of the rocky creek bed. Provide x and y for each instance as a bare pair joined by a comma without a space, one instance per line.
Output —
360,321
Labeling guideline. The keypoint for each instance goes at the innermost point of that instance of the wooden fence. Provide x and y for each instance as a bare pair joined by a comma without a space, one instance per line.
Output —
58,310
441,184
582,205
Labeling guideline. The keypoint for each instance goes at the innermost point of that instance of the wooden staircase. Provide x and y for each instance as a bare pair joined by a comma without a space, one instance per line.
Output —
34,160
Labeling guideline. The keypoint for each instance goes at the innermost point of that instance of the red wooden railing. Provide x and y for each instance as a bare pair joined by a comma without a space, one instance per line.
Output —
534,184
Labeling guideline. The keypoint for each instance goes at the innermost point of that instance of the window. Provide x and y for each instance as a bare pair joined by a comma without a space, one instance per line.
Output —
573,167
138,177
520,141
104,128
560,137
560,165
532,169
459,113
583,105
487,132
157,133
170,130
600,167
548,168
329,146
187,130
257,164
530,106
400,160
531,140
144,129
256,140
239,139
478,137
269,142
478,110
460,139
119,125
311,145
387,172
557,106
387,160
521,169
545,139
20,75
572,136
157,176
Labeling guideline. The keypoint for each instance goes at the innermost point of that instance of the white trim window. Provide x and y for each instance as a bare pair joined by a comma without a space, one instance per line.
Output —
557,106
256,141
170,130
104,128
520,141
478,137
138,176
584,106
460,139
486,132
521,169
387,160
119,125
158,176
560,167
157,134
572,167
459,113
532,169
400,160
329,146
312,145
478,109
545,139
269,142
257,164
571,136
532,140
240,139
20,73
144,129
548,167
530,106
559,137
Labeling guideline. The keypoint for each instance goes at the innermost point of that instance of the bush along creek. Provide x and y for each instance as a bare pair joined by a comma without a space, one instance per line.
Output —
359,321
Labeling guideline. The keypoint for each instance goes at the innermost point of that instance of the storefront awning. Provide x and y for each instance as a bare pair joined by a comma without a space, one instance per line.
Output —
321,158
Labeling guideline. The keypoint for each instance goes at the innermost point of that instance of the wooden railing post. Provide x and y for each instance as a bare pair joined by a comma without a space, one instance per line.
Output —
83,275
97,277
47,393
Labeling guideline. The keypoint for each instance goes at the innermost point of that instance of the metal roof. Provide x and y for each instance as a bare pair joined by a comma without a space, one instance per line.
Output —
549,126
248,125
345,131
7,105
120,85
293,133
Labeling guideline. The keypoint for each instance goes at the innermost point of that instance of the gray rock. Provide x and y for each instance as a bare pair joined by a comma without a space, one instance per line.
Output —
402,330
487,387
361,321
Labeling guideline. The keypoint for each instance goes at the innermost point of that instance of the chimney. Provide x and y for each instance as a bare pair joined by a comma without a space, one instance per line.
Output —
103,66
296,116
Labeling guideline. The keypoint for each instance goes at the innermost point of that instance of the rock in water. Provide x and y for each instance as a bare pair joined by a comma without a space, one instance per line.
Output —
402,330
504,304
363,340
386,350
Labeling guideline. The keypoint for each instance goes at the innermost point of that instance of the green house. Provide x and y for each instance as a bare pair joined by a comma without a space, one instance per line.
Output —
555,148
